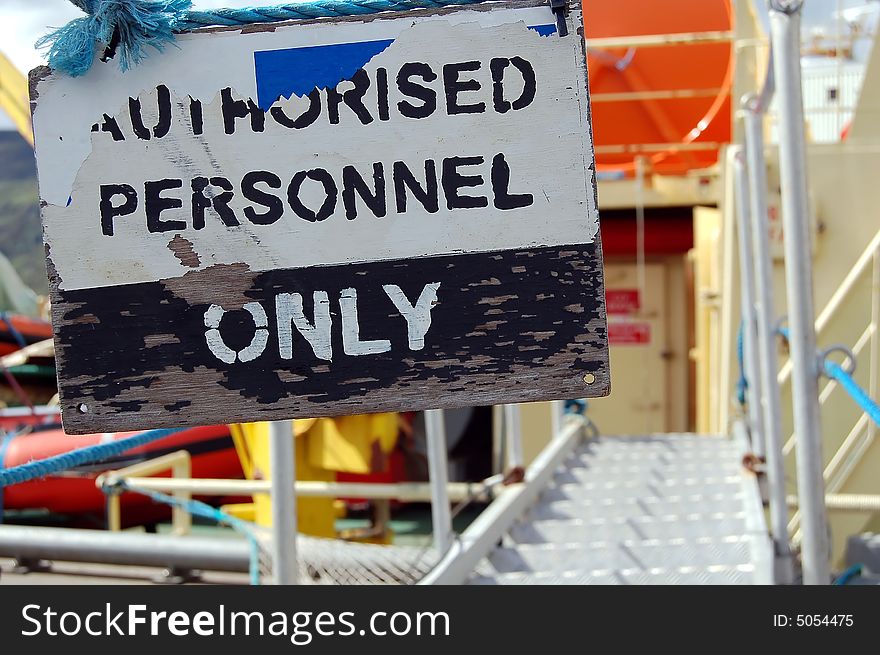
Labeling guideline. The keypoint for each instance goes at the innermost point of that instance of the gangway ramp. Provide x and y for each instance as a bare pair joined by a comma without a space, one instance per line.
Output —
655,509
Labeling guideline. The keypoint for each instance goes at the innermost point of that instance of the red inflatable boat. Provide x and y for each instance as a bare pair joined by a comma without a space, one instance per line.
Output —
17,331
74,493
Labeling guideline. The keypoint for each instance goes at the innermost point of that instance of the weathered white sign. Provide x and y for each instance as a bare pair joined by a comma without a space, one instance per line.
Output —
327,217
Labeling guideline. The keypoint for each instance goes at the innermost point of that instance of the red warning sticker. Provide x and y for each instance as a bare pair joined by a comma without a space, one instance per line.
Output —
628,333
622,301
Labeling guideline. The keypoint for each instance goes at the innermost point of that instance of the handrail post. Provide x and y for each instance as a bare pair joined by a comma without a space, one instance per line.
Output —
441,517
497,438
181,519
114,511
751,362
785,37
283,495
765,323
180,463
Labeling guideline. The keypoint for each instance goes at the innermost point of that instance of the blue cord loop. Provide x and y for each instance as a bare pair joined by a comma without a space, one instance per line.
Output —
845,379
198,508
88,455
130,27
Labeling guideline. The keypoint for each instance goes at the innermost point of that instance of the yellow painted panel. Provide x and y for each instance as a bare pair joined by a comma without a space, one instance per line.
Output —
324,447
707,280
14,98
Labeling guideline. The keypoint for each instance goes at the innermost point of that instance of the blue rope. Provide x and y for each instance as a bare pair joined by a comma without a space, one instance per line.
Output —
192,20
836,371
88,455
19,339
848,574
5,442
577,406
742,384
129,27
198,508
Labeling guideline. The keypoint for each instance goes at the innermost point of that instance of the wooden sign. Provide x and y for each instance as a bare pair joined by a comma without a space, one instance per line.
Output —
327,217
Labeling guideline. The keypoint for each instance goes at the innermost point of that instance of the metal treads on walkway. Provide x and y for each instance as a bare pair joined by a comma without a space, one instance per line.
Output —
666,509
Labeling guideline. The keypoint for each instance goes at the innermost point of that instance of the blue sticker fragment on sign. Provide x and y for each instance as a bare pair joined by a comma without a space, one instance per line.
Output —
297,71
544,30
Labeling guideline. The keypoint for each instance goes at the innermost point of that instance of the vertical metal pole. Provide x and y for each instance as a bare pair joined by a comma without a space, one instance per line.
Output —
838,66
557,417
441,517
874,364
283,477
785,35
765,320
747,293
722,319
497,439
513,434
641,165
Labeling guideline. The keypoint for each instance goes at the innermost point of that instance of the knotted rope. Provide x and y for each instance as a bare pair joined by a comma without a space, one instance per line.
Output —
128,28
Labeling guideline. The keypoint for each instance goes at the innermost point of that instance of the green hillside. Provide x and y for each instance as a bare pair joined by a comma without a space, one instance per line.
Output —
20,233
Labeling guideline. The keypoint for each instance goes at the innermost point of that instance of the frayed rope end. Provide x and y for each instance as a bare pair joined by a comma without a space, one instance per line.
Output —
135,23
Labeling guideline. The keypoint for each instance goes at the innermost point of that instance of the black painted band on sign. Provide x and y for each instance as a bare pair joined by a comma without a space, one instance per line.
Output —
510,326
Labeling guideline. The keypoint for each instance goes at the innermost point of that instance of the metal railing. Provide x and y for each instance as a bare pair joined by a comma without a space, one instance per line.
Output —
818,483
180,465
283,488
483,535
863,431
784,81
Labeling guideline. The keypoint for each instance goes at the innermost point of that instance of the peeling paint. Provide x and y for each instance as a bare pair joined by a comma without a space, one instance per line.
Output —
183,249
174,368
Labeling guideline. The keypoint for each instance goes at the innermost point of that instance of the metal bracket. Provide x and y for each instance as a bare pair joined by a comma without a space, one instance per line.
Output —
781,322
755,464
560,10
788,7
847,353
23,565
175,575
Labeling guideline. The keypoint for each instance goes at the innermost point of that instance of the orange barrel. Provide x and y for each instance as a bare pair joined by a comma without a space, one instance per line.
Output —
669,103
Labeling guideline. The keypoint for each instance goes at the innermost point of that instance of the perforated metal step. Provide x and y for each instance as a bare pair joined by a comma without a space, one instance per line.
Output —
665,509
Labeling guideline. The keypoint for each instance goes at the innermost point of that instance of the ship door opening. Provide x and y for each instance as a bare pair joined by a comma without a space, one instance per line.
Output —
650,325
